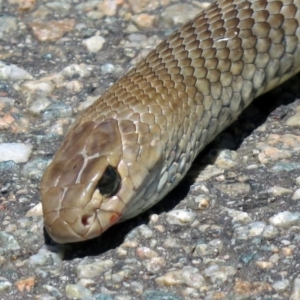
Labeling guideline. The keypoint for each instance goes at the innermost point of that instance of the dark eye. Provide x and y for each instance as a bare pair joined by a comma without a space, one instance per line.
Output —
110,182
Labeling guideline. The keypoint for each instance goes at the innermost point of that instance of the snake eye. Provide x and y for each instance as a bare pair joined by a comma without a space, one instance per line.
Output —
110,182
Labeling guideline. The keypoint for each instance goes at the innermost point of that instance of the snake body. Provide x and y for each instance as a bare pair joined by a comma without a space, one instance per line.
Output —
147,128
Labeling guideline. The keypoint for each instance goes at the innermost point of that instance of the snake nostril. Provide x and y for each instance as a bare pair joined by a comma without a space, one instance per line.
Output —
86,220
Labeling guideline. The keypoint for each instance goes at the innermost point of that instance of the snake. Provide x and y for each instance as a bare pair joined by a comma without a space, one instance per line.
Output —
136,142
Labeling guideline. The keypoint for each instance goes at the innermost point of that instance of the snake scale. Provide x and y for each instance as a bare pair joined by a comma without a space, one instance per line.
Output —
134,144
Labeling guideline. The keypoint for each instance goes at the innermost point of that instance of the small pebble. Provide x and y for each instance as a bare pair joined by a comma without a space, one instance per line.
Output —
297,180
209,172
296,195
121,252
155,264
26,284
188,12
269,153
246,288
94,44
186,276
264,265
99,297
4,284
293,120
234,190
44,257
8,24
86,282
285,166
60,8
145,5
43,88
296,289
36,210
95,269
35,168
53,291
51,31
180,217
17,152
281,285
172,243
201,202
238,216
107,69
13,72
143,230
287,251
249,231
38,106
285,219
77,291
80,70
270,232
145,252
57,110
203,250
226,159
274,258
143,21
219,274
279,191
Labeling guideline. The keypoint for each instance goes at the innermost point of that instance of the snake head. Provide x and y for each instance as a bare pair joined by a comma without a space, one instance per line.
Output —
95,177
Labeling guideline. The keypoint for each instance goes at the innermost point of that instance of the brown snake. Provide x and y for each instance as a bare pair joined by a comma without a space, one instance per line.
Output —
126,151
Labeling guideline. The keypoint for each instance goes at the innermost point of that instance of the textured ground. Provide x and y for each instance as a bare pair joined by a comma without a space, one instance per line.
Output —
231,230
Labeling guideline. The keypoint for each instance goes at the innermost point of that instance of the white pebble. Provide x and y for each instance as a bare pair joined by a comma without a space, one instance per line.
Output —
219,274
94,43
180,216
250,230
297,180
203,250
38,106
278,191
17,152
238,216
12,72
296,195
44,257
81,70
4,284
107,68
270,232
187,275
296,289
35,210
94,269
77,291
285,219
43,88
